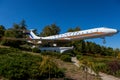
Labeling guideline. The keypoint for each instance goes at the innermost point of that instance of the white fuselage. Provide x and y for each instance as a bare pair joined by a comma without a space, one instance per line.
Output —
85,34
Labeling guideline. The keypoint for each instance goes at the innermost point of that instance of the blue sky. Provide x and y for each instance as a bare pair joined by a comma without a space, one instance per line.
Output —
65,13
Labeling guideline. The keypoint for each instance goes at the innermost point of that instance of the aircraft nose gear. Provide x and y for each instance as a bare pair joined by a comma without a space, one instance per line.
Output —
104,41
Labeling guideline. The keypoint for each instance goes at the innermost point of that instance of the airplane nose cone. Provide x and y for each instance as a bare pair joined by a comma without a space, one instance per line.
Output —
116,31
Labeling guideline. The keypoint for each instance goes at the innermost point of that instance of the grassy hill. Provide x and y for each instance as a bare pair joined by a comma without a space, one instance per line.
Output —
21,65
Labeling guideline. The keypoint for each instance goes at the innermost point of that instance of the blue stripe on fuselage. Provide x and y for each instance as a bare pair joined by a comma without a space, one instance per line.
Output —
30,35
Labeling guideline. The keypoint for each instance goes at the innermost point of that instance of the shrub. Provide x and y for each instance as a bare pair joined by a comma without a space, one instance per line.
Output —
9,50
78,56
36,50
66,58
23,66
15,44
102,67
55,54
26,47
50,69
70,54
4,51
113,67
19,66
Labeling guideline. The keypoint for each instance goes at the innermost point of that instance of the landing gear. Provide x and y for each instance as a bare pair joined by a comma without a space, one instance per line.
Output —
104,41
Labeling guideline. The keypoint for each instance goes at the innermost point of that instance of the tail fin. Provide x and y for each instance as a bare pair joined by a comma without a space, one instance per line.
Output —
32,35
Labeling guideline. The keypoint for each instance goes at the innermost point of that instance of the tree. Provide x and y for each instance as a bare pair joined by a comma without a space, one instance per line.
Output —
74,29
16,26
10,33
116,52
23,24
2,30
79,46
77,28
48,30
8,39
17,29
109,51
83,47
55,29
70,30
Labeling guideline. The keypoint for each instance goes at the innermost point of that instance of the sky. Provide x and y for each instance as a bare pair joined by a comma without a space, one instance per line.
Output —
64,13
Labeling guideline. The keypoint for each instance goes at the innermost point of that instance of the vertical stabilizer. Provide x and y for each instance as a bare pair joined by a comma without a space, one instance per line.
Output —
32,35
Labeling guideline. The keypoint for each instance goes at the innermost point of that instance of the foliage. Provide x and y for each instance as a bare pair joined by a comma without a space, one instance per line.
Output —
67,53
23,24
74,29
16,65
9,50
49,69
78,57
36,50
11,34
116,53
100,67
66,58
2,30
55,54
109,65
113,67
48,30
26,47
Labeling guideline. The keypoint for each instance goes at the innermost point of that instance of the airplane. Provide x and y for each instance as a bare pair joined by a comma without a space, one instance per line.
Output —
101,32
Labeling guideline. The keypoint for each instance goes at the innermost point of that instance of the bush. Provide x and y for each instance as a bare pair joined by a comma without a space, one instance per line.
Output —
24,66
9,50
55,54
113,67
66,58
4,51
78,56
49,69
36,50
19,66
100,67
70,54
26,47
12,43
